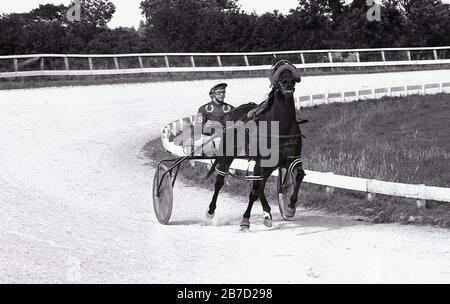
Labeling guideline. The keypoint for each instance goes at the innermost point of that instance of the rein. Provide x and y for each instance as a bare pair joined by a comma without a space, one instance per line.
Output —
287,136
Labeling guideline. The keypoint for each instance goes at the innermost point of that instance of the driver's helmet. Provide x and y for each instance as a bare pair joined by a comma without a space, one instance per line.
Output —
219,86
283,65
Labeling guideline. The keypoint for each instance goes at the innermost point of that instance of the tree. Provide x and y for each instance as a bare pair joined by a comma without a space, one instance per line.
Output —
97,13
48,13
117,41
267,33
311,23
427,22
185,25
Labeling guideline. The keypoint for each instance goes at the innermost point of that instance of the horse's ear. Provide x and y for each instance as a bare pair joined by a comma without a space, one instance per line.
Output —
297,76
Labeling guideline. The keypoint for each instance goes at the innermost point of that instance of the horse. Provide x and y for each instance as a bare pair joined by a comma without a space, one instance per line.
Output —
278,107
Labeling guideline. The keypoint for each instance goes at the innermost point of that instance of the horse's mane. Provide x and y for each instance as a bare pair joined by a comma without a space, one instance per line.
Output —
240,113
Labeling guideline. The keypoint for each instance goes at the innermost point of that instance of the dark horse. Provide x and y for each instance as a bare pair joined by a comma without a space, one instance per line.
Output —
279,107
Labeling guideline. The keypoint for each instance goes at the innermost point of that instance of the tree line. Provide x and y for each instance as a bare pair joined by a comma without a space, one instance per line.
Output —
222,26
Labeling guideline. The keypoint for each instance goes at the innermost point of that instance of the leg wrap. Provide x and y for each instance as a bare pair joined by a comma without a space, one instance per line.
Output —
220,172
297,163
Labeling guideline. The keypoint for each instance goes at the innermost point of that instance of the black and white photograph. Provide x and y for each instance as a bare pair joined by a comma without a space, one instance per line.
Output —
235,143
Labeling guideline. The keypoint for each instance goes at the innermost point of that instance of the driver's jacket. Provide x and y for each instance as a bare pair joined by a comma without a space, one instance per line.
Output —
212,112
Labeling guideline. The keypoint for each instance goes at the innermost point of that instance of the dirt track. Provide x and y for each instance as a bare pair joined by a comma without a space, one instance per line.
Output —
75,204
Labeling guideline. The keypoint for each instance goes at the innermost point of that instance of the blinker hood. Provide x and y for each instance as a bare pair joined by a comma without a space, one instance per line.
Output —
280,67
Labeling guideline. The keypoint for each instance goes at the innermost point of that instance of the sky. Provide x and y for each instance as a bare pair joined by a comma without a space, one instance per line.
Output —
128,13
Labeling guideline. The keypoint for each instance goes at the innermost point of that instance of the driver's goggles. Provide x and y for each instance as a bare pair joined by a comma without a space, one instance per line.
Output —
220,92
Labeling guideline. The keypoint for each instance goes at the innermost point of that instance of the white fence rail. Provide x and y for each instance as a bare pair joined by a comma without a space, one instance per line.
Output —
348,96
121,64
421,192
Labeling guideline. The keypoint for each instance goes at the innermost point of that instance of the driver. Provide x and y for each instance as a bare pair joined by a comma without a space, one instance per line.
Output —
212,113
214,110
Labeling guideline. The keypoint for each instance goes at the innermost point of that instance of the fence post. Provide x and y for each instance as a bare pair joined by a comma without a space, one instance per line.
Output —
166,59
370,196
219,61
246,60
435,54
141,64
116,63
16,65
66,63
330,56
409,55
42,64
383,56
329,190
192,61
421,204
357,57
91,66
302,57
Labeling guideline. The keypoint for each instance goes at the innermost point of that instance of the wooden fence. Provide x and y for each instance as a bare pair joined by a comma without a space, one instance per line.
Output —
121,64
376,93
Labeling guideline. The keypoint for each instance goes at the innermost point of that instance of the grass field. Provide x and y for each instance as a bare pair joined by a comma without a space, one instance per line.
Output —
392,139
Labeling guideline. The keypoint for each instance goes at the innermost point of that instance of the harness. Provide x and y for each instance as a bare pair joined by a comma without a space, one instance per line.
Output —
288,141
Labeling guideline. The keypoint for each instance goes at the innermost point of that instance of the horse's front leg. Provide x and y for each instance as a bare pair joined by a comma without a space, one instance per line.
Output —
298,180
267,215
253,197
222,169
258,192
220,180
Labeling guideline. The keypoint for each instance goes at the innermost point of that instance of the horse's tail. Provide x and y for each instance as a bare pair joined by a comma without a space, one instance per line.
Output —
212,169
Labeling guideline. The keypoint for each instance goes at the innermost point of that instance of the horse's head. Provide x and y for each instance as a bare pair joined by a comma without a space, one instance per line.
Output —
284,77
286,83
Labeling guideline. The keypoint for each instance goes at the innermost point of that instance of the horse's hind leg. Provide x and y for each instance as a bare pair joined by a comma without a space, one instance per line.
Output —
220,181
267,217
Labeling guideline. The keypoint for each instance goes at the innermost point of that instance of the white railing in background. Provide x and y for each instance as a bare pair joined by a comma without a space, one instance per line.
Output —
349,96
421,193
117,64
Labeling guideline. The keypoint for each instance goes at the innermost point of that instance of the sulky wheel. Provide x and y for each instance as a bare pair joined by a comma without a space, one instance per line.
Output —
162,201
285,193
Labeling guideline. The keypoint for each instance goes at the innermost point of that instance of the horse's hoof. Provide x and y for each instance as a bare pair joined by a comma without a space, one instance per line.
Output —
209,216
244,229
245,224
267,219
